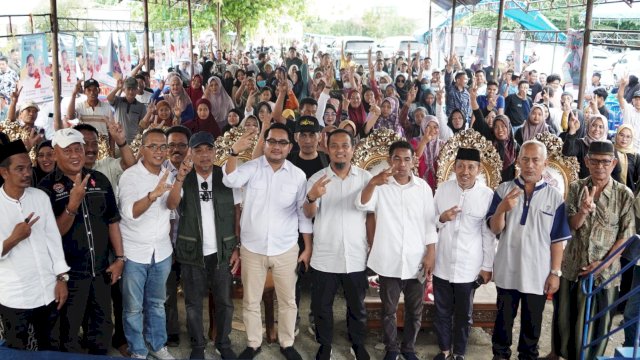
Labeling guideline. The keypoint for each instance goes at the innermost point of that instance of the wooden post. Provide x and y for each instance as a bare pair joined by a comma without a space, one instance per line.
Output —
57,119
190,39
496,52
453,22
585,53
218,45
430,31
145,6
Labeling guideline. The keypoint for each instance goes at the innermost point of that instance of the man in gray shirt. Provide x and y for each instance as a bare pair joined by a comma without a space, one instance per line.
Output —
128,110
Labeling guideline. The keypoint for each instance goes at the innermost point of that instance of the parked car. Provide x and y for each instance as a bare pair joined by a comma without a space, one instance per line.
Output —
398,45
358,46
629,63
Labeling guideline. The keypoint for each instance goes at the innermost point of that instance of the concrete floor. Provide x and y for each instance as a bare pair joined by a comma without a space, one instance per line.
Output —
426,345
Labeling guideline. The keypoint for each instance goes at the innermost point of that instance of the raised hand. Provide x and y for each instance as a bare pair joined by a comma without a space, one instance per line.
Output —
510,201
450,214
574,123
161,188
177,109
319,188
283,88
185,167
156,124
120,83
22,230
587,205
375,110
116,132
243,143
382,178
15,95
78,89
78,190
411,95
34,139
440,96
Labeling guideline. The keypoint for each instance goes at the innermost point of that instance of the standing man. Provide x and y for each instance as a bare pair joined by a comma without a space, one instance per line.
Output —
466,247
340,244
33,271
534,86
147,246
601,218
406,233
457,95
518,105
529,217
271,218
88,220
92,110
8,78
207,218
128,110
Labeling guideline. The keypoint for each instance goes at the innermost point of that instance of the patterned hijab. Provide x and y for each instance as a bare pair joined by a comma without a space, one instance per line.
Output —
587,139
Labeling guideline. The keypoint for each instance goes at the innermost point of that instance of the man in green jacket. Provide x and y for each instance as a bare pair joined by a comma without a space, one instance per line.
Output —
206,246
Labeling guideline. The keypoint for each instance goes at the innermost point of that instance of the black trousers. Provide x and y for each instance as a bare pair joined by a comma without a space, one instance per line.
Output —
453,318
530,319
413,290
89,301
171,304
325,286
196,283
16,325
118,339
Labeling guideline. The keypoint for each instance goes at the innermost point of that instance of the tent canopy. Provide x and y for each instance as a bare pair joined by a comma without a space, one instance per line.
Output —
616,11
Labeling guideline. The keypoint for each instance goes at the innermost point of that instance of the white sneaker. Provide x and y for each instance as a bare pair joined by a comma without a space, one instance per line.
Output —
137,356
162,354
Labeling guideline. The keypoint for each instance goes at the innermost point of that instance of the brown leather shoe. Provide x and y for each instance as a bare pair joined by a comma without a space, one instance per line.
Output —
124,350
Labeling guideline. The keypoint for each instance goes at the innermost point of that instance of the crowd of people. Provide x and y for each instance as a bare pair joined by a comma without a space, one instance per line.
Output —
97,235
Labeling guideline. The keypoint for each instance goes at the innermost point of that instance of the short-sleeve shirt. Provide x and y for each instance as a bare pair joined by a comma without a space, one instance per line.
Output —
523,259
96,116
483,102
86,244
129,115
112,169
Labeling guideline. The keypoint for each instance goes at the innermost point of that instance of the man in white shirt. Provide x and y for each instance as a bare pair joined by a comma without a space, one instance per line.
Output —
147,246
403,250
92,110
630,114
33,270
271,218
339,244
464,259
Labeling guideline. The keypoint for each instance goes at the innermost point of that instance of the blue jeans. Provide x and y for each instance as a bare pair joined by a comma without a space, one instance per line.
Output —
144,290
632,310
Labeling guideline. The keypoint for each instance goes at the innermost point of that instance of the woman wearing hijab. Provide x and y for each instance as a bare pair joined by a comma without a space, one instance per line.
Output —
195,90
628,158
355,109
204,120
177,98
534,125
427,148
385,116
427,100
456,121
159,114
233,120
402,86
219,100
596,130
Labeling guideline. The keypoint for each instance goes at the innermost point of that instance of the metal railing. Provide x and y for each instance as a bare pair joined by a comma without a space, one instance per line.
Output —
590,292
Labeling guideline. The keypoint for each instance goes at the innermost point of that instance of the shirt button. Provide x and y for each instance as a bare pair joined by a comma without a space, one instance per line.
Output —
88,232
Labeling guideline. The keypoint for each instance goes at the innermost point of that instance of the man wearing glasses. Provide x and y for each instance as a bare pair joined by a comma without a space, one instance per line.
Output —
271,218
206,245
147,246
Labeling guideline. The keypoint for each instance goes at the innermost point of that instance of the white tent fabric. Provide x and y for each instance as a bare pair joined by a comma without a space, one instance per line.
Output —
616,11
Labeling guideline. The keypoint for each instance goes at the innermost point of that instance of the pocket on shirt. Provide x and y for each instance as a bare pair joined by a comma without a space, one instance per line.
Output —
96,204
287,194
607,219
545,219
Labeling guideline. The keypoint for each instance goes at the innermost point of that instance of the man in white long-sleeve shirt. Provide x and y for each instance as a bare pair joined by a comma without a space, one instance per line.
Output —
33,270
466,248
271,217
403,250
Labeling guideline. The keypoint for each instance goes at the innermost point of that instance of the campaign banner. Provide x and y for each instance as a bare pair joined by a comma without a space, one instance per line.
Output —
573,49
123,50
66,59
140,45
35,75
158,60
91,57
168,52
175,48
481,46
184,45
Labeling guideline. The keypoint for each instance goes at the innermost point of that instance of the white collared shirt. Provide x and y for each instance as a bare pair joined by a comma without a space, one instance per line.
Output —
466,245
28,271
405,225
272,212
147,236
339,231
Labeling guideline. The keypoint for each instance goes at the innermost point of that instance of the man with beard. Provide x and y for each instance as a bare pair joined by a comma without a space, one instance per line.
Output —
271,218
33,270
340,244
92,110
88,220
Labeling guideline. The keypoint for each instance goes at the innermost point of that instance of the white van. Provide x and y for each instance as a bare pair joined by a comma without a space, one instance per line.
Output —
358,46
398,45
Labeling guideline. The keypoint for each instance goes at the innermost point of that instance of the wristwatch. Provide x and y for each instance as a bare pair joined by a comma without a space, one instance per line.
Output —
230,152
557,273
63,277
122,257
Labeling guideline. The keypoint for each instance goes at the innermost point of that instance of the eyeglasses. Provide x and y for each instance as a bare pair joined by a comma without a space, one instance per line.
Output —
597,162
181,146
156,147
205,194
273,142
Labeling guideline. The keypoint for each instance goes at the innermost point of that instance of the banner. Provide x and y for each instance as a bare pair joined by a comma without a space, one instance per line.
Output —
573,49
67,51
91,57
481,46
124,53
158,58
175,47
140,45
35,75
184,45
168,52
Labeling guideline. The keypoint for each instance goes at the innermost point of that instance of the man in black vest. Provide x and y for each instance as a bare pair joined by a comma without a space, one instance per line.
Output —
206,246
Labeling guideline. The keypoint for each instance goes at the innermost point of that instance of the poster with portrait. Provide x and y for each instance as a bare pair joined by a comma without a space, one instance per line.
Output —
175,48
168,52
35,75
123,50
184,44
90,52
66,62
573,49
158,61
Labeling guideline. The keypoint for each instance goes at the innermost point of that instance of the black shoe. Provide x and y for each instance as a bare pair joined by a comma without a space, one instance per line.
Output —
391,355
324,353
227,353
249,353
360,352
409,356
197,353
290,353
440,356
457,357
173,340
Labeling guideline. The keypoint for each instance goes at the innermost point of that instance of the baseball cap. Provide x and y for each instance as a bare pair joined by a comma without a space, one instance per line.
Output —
307,124
91,82
636,94
130,83
28,104
66,137
199,138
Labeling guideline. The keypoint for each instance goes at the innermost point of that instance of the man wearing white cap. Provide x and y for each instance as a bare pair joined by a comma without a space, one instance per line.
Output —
88,220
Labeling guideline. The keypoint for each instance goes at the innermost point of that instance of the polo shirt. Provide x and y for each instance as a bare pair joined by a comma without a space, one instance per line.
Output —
129,115
523,259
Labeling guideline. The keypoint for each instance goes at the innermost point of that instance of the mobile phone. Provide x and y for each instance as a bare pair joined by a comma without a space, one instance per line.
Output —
478,282
422,274
301,269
